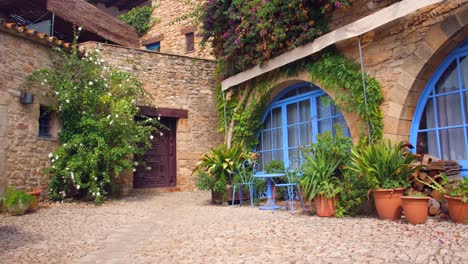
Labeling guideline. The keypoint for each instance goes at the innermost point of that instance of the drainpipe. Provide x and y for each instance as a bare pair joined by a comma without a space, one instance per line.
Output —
364,88
224,110
52,25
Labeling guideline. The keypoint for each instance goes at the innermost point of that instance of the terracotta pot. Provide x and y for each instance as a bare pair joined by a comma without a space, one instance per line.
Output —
324,207
388,203
217,197
34,204
458,210
415,208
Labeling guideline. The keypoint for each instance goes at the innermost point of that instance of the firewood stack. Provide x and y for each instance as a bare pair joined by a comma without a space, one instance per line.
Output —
432,168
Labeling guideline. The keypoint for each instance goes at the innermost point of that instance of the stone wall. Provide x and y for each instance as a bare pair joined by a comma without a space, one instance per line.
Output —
23,155
171,32
177,82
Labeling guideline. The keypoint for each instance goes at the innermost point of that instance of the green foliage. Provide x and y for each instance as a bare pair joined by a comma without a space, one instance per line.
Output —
383,164
460,190
139,18
246,33
216,167
274,166
457,188
100,134
17,201
354,194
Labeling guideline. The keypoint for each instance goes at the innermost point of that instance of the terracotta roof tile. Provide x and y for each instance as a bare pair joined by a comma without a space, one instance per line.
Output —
33,35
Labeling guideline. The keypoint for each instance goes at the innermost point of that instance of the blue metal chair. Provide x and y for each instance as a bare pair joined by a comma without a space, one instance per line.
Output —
291,190
246,171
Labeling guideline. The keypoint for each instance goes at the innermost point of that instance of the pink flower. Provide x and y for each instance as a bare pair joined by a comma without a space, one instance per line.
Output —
338,4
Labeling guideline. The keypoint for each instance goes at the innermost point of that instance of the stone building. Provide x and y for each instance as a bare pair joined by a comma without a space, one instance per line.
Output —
417,50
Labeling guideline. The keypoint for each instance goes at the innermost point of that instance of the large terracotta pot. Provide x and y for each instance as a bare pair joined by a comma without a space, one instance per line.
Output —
324,207
458,210
388,203
415,208
34,204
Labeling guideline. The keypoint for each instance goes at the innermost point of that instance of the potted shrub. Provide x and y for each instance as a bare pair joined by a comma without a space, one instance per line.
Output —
321,171
215,169
415,207
386,168
17,201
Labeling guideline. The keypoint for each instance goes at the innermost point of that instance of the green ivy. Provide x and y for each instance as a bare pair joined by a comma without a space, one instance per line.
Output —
100,133
139,18
334,72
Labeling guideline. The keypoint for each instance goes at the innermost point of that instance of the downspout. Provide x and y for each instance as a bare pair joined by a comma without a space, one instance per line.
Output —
52,25
224,110
365,89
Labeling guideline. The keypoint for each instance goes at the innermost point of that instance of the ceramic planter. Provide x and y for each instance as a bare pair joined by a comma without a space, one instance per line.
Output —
388,203
34,204
324,207
458,210
415,208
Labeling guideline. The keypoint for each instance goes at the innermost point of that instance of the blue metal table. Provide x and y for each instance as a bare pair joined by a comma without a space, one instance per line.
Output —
270,203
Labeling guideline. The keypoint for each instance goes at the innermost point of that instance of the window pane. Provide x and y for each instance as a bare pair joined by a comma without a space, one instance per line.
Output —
427,143
324,126
341,123
449,80
452,144
267,140
289,94
427,118
293,136
323,107
268,121
267,158
305,89
294,158
449,110
304,111
277,138
292,113
464,71
306,134
278,155
277,119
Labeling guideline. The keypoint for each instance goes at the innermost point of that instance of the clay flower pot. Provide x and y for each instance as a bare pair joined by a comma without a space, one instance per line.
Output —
458,210
415,208
388,203
324,207
34,204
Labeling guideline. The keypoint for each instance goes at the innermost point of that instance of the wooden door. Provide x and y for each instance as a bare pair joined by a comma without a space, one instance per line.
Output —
161,158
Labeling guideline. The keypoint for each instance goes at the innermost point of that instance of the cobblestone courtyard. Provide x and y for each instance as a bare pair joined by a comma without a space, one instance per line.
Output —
186,228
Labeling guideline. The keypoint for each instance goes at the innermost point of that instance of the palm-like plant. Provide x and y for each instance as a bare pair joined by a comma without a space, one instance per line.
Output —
385,165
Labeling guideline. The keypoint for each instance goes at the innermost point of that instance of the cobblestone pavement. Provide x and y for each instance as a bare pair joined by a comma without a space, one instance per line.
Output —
186,228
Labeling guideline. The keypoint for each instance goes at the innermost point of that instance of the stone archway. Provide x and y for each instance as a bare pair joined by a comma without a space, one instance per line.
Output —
418,68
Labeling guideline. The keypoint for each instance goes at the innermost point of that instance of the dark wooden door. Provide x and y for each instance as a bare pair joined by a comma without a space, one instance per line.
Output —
161,158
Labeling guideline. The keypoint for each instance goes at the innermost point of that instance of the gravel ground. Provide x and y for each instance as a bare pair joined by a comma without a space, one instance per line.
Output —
186,228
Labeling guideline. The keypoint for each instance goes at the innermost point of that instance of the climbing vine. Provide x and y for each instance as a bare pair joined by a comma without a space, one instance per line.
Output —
241,109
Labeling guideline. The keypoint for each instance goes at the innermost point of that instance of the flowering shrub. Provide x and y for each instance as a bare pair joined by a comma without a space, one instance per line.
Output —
245,33
98,108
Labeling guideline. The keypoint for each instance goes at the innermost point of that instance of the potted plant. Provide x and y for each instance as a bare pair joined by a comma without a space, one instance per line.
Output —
17,201
415,207
386,168
215,169
34,204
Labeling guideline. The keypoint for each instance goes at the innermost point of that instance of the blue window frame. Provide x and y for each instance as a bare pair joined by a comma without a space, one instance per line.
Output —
440,123
293,120
154,46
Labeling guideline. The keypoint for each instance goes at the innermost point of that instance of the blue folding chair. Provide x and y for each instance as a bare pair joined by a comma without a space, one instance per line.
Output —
291,190
246,171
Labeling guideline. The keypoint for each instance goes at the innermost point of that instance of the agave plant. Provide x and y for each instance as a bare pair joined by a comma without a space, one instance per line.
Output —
215,168
385,165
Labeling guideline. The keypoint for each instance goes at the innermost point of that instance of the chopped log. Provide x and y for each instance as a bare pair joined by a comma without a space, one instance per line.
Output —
422,175
437,195
428,159
434,207
417,185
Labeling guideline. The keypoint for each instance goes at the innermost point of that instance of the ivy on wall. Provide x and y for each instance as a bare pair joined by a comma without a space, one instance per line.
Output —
139,18
241,109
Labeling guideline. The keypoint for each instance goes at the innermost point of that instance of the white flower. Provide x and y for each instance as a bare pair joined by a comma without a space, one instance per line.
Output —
133,101
67,168
51,155
90,83
68,101
80,28
65,144
109,94
57,93
45,80
102,60
112,121
151,137
78,187
56,157
95,178
98,194
159,118
134,170
161,134
116,116
109,116
81,144
148,168
42,83
72,175
136,163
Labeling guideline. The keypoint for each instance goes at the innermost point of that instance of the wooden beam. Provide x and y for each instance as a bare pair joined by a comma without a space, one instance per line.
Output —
349,31
94,20
163,112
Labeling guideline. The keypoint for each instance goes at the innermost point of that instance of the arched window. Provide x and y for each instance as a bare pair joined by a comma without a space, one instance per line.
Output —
440,123
293,120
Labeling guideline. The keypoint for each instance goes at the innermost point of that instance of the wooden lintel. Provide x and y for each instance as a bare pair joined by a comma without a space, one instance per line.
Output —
163,112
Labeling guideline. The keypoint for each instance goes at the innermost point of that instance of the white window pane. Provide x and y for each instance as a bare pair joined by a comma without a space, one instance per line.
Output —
277,118
449,110
427,118
277,138
324,107
268,121
294,159
293,136
267,140
464,71
449,80
452,144
325,125
306,134
292,113
427,143
304,111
